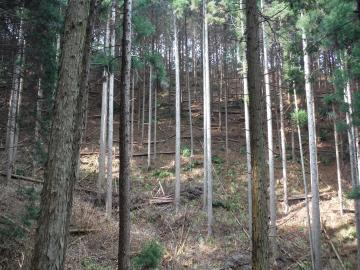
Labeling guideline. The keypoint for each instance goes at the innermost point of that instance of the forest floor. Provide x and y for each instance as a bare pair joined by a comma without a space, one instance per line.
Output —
93,238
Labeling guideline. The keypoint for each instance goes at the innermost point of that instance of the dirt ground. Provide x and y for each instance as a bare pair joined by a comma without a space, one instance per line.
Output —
93,238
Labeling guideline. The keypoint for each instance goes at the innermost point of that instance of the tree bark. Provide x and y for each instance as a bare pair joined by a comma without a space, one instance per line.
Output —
124,172
273,200
207,121
108,204
68,122
103,130
316,229
260,241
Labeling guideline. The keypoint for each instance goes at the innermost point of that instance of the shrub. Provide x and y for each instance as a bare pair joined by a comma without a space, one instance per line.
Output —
150,256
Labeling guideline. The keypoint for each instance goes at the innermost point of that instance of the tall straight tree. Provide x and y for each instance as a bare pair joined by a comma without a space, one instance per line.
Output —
12,128
244,71
260,240
270,145
207,121
178,115
104,109
124,172
150,119
316,229
110,114
67,126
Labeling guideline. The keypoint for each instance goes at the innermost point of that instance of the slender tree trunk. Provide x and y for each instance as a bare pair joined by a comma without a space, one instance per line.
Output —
283,145
316,230
67,126
353,161
103,126
37,140
247,127
150,119
220,95
178,115
155,119
110,114
132,115
338,167
12,129
124,172
143,108
189,97
273,199
260,241
207,120
304,183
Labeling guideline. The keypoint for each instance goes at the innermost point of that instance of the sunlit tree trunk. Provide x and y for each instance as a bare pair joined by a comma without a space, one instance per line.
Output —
207,121
283,145
273,200
260,240
244,71
304,181
124,130
316,229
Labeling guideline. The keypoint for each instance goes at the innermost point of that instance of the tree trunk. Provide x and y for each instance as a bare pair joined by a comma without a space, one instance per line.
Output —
316,230
67,126
304,183
124,171
273,199
132,115
207,121
247,125
37,139
260,240
110,114
178,115
12,129
143,108
150,119
283,145
103,130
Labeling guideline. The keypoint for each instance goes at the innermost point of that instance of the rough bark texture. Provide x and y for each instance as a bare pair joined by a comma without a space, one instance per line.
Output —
270,145
67,128
316,230
124,173
260,241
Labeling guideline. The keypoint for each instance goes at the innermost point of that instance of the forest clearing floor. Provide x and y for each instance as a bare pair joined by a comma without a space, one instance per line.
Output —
93,239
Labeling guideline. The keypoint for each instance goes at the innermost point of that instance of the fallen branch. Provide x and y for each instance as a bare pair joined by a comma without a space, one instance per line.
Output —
158,153
82,230
327,237
20,177
302,196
